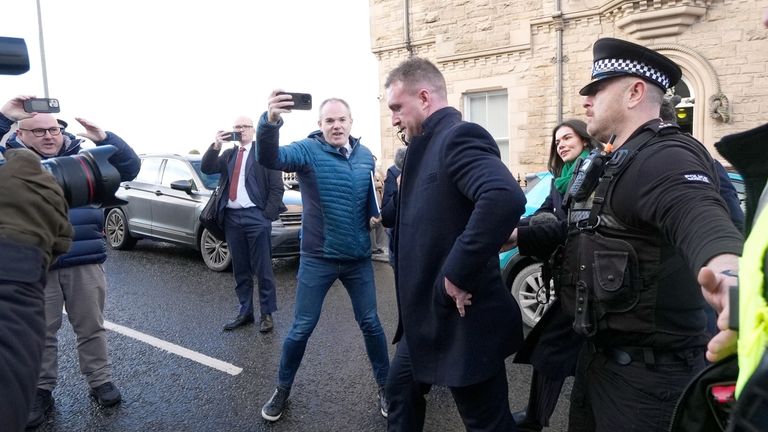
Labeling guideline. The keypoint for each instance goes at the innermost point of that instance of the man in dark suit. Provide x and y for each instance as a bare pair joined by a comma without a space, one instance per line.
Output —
457,202
252,198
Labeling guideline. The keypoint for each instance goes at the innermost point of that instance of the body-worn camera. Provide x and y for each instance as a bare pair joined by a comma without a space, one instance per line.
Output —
87,177
234,136
301,101
41,105
587,174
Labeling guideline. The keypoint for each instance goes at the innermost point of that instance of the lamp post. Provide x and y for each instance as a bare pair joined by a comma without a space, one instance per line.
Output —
42,49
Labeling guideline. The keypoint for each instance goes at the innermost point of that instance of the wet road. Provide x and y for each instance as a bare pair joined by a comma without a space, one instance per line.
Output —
165,292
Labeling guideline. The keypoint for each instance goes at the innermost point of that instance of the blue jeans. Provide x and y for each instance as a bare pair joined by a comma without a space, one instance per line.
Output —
316,275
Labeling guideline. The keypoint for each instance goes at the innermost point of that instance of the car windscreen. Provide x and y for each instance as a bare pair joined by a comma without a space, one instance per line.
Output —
210,181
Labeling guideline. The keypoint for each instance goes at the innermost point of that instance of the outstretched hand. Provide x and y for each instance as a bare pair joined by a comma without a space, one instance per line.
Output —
92,132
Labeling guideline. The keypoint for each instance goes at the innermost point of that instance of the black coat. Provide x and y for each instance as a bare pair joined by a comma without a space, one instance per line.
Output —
265,186
457,205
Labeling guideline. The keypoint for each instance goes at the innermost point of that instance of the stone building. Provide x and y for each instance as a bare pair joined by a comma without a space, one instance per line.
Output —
516,66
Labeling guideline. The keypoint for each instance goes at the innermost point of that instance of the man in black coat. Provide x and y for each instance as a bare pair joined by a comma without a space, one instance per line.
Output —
457,202
252,198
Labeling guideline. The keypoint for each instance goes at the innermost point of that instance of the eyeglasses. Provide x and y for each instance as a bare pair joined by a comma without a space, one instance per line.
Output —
41,132
241,127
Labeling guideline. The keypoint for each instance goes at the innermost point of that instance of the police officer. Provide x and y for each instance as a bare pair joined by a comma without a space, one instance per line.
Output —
644,216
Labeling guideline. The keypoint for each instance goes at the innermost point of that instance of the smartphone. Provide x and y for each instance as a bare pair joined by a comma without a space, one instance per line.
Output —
41,105
234,136
301,101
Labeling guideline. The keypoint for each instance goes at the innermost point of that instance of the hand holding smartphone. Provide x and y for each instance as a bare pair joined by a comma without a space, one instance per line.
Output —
301,101
234,136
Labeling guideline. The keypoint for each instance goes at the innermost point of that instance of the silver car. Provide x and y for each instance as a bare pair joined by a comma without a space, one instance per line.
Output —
165,201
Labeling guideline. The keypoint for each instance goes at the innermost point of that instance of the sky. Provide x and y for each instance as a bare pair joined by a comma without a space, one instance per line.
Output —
166,75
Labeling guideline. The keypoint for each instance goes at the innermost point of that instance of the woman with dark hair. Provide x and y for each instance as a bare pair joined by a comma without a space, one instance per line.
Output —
570,141
552,346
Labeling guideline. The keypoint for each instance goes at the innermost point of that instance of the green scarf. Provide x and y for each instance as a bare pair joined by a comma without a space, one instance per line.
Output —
561,183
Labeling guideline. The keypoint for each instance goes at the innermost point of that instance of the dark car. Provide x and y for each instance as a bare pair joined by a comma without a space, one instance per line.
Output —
522,274
165,201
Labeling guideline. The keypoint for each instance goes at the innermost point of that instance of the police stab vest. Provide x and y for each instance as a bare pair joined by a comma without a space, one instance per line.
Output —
609,272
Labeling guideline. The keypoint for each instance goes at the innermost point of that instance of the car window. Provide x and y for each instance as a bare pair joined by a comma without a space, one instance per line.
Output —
210,181
149,170
176,170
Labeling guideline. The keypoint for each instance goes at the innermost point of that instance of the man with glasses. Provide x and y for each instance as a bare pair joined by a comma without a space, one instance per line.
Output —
76,279
252,199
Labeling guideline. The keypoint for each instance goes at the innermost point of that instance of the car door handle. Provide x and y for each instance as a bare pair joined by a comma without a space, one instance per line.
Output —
158,192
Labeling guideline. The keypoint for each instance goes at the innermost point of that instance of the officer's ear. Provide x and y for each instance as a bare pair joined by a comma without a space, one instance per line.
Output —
636,92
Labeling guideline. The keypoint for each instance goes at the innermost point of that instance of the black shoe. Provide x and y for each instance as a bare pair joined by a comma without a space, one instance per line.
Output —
241,320
383,402
274,407
265,324
40,406
106,395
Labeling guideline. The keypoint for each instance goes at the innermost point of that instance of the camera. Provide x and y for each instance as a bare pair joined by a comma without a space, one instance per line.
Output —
234,136
41,105
87,177
587,174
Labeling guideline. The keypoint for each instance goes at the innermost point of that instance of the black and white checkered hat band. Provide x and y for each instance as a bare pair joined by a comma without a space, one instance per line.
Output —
612,65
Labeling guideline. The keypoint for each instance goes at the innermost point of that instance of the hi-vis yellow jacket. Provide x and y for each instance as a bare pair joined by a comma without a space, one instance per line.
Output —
753,309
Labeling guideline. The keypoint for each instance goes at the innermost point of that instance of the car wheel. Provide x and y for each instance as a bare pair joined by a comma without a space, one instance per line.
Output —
525,287
215,252
116,227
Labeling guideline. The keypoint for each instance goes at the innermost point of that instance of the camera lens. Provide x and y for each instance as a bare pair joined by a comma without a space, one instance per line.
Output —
86,178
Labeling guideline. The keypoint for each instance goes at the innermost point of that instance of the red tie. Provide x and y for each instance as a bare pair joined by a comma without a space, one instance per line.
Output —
236,175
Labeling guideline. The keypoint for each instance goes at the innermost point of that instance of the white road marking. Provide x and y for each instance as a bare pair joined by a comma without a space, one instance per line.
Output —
175,349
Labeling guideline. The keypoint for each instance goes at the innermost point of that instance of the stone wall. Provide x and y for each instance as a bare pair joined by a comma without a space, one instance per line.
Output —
485,45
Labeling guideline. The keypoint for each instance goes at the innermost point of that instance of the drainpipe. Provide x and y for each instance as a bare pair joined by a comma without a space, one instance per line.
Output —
558,17
407,20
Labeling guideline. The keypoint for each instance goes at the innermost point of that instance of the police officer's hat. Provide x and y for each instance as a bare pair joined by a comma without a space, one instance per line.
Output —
615,57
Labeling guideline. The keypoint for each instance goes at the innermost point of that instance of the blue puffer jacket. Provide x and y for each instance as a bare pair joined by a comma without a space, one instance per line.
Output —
88,245
334,191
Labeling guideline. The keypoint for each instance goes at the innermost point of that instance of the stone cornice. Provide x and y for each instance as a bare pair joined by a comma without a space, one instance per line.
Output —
642,19
493,52
379,50
660,22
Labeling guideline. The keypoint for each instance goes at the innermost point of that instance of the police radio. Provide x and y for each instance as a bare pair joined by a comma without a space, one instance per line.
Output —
588,173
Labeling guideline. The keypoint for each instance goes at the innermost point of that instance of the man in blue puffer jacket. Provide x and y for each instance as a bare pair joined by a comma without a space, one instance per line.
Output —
76,279
334,172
